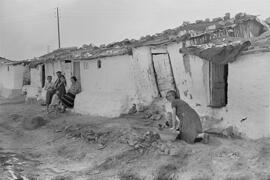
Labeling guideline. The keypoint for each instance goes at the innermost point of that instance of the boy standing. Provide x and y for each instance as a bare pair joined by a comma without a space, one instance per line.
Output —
49,87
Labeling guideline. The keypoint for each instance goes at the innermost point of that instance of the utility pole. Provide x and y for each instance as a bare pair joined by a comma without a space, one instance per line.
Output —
58,27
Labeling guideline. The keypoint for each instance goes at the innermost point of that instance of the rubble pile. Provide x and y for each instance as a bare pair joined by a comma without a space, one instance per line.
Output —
155,111
90,134
149,141
132,137
136,140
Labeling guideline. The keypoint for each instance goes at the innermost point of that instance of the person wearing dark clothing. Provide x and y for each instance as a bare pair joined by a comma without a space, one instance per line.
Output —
52,91
190,127
68,99
61,86
58,80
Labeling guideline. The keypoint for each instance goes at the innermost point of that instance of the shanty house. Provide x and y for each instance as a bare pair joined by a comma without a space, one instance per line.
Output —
48,65
214,71
216,67
112,80
11,78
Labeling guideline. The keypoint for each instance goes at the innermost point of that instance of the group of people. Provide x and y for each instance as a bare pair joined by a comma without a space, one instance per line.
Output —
185,120
56,95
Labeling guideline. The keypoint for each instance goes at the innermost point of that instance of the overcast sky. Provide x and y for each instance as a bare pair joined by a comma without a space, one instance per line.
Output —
28,27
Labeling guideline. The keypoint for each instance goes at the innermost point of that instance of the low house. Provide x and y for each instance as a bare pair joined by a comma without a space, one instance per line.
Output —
230,88
11,77
219,78
215,66
48,65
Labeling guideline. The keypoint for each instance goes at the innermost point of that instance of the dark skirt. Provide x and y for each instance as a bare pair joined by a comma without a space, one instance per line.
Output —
191,126
68,100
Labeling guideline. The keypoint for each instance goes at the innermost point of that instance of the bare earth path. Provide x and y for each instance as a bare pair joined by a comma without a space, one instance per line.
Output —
80,147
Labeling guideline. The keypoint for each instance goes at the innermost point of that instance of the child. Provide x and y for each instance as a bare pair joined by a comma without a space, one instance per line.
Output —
189,125
49,87
55,101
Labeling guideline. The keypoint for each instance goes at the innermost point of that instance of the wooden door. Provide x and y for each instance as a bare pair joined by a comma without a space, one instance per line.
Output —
218,84
164,75
77,71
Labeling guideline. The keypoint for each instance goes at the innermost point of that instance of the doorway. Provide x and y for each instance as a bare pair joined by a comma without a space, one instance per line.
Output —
163,73
77,71
43,76
218,75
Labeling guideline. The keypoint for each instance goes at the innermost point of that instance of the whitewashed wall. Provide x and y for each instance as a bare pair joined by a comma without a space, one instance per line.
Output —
11,80
248,90
106,91
192,82
33,90
248,94
36,76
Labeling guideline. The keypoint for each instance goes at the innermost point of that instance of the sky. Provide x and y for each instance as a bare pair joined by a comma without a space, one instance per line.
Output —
28,28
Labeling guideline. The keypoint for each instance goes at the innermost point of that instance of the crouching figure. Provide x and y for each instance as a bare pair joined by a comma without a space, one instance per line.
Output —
189,124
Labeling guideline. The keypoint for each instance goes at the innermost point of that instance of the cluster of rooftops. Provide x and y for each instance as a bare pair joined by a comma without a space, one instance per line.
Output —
203,34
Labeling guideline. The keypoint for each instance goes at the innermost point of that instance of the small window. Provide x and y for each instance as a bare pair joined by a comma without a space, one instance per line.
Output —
85,65
7,68
218,76
67,61
99,63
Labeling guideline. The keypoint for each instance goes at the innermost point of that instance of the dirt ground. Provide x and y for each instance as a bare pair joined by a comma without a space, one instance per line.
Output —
76,147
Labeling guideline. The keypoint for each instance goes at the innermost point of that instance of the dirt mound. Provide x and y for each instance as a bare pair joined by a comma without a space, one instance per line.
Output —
34,123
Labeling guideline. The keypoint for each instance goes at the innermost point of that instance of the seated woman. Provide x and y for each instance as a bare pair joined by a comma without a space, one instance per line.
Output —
190,127
68,99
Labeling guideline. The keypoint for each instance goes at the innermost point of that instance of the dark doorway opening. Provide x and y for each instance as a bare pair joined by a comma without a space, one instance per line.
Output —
226,71
43,76
77,71
218,76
